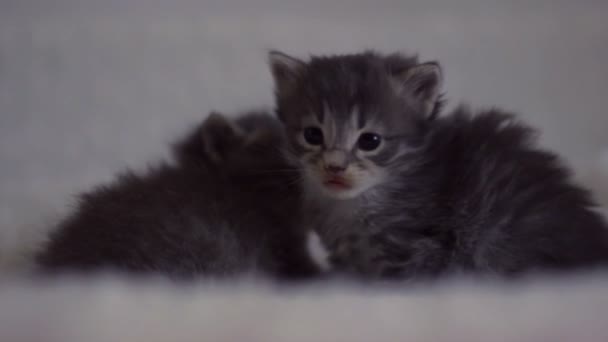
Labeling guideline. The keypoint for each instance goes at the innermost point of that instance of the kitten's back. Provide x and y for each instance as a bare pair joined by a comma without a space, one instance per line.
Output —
519,203
223,209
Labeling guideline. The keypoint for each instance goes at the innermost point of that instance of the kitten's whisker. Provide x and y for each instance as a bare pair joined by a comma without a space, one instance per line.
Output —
295,181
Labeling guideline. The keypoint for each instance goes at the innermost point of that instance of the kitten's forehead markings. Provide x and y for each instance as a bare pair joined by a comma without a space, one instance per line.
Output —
312,120
326,112
330,127
352,131
361,116
320,115
355,117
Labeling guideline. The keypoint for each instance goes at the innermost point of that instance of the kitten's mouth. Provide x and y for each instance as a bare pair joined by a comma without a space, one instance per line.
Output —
337,183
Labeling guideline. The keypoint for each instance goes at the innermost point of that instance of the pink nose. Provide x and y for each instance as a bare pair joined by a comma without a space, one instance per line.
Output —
335,169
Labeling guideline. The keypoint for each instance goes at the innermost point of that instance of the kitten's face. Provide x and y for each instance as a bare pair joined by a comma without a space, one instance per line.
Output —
342,156
350,118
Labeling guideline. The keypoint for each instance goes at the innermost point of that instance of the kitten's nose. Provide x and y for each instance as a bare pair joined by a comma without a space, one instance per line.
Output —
335,161
334,168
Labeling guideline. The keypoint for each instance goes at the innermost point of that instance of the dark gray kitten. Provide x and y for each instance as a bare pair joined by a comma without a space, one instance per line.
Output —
399,192
229,206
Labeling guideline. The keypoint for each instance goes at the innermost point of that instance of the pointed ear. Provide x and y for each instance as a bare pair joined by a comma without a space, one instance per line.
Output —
220,135
421,83
285,70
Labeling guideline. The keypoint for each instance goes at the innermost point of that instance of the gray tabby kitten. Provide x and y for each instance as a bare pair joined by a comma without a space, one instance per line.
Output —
396,191
227,207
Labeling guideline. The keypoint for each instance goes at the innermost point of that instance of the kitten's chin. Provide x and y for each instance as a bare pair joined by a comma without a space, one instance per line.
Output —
340,194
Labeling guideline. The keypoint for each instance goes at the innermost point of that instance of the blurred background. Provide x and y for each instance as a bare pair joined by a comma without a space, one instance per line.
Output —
88,87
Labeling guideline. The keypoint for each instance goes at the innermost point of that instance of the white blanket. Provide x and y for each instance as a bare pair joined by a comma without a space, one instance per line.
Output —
112,310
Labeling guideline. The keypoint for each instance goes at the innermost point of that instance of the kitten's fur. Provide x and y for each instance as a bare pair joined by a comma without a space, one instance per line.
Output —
461,192
227,207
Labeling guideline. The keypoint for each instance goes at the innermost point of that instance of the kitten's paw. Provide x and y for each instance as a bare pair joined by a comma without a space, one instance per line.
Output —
318,253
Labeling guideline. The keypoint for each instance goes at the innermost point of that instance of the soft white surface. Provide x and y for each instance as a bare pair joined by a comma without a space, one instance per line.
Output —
90,87
116,311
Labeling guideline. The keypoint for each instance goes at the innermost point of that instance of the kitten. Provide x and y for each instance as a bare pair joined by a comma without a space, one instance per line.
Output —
401,193
228,207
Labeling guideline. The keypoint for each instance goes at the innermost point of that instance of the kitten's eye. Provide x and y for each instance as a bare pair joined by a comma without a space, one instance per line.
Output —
313,135
369,141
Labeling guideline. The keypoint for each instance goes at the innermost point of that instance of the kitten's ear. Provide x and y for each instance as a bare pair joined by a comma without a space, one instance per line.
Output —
422,83
285,70
220,135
